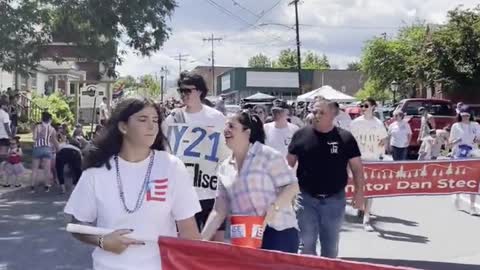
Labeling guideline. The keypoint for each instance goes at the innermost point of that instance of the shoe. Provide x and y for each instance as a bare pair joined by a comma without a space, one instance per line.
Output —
367,227
6,186
457,203
47,189
32,190
18,185
474,211
63,189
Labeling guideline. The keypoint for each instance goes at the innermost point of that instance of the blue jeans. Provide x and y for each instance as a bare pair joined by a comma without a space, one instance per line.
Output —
286,240
321,218
399,153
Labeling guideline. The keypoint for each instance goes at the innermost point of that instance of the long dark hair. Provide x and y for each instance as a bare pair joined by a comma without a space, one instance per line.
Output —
252,122
110,139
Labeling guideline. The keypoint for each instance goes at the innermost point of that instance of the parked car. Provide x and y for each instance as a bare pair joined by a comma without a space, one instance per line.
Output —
443,112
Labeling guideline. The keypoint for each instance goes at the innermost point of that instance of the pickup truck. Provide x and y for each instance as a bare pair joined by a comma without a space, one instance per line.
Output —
443,112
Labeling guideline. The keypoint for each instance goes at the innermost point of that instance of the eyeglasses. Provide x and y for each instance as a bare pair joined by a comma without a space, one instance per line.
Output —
366,106
184,90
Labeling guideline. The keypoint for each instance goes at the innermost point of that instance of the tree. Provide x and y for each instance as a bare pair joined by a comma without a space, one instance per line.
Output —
23,32
97,25
402,59
354,66
455,48
259,61
148,86
286,59
372,88
312,61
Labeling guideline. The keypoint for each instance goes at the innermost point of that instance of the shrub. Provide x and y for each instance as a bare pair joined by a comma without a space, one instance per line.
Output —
58,106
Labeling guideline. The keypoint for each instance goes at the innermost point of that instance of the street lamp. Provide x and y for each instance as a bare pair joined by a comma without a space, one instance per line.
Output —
394,87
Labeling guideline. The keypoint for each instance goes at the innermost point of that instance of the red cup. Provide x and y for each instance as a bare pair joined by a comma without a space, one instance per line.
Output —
246,231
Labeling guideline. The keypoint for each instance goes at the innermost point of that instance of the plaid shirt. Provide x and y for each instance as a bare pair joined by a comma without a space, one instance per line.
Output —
263,175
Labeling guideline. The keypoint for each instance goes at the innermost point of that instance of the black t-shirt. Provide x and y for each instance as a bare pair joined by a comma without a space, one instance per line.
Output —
323,159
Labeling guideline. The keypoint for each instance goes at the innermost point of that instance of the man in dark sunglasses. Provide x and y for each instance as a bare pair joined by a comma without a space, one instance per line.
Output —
193,91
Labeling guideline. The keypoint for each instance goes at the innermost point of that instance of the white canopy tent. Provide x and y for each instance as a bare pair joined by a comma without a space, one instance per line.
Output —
327,92
259,96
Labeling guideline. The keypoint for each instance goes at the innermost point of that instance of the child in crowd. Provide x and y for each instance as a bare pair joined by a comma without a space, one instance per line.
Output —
431,146
14,166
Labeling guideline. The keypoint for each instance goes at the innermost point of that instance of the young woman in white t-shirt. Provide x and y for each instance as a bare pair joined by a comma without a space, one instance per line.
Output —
464,135
131,184
371,135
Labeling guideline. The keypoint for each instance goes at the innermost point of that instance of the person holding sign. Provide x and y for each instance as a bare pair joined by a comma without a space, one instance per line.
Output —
372,137
193,90
256,181
131,184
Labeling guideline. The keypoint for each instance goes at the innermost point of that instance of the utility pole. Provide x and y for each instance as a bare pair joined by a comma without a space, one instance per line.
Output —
213,39
163,76
299,57
181,58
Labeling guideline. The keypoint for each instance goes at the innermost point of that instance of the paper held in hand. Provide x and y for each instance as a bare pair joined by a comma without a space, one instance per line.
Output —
91,230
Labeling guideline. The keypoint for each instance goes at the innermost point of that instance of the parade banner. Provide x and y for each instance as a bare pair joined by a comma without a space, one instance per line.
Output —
410,178
202,149
178,254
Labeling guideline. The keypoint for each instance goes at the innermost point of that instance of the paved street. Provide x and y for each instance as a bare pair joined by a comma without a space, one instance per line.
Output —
424,232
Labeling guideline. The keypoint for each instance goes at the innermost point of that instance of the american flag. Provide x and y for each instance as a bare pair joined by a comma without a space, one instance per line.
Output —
157,190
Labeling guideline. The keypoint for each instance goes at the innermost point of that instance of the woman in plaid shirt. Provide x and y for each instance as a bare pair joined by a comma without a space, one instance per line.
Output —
256,181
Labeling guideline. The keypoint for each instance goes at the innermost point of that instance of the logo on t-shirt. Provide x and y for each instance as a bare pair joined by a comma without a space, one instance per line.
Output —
333,147
157,190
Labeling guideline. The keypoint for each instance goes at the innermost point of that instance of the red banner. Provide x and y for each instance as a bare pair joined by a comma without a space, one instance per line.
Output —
409,178
180,254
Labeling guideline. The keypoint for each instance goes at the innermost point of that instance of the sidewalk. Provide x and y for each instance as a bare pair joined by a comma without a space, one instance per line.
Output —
24,180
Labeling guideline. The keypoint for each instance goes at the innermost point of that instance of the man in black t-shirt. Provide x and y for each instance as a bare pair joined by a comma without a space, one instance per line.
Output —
323,152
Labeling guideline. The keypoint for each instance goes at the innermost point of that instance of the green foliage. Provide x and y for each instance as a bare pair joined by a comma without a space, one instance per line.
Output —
58,106
24,29
354,66
373,89
149,87
286,59
97,25
401,59
455,47
259,61
312,61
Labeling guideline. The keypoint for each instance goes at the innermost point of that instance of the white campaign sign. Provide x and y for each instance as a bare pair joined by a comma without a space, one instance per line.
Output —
202,149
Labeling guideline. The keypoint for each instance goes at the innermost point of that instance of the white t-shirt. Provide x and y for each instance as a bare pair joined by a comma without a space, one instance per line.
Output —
466,133
279,138
103,111
399,132
170,197
369,134
343,120
4,119
207,117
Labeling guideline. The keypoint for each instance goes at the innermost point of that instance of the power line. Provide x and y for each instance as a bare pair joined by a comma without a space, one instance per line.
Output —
265,12
228,12
180,58
235,3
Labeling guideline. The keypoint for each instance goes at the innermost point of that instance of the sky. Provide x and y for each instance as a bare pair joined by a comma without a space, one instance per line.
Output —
339,29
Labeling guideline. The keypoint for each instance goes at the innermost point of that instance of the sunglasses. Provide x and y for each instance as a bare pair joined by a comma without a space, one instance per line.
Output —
184,90
366,106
